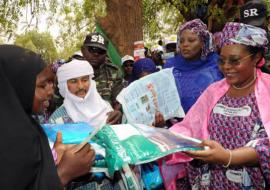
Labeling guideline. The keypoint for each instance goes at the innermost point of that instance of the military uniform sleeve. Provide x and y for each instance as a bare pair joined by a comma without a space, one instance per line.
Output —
117,85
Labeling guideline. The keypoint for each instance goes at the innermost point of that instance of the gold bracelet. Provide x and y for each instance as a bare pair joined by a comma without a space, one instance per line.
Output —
230,159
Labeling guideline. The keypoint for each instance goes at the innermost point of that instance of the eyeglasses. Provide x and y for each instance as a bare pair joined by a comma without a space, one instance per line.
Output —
233,61
96,50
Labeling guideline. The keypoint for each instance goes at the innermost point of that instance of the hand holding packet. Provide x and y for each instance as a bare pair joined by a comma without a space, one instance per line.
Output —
137,144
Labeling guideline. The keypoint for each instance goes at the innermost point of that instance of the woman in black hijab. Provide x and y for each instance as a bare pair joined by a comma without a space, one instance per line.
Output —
26,160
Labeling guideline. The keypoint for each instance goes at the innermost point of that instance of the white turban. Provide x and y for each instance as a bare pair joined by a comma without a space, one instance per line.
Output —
92,108
73,69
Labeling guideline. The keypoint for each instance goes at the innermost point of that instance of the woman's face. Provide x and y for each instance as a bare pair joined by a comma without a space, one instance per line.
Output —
190,45
128,67
237,64
44,89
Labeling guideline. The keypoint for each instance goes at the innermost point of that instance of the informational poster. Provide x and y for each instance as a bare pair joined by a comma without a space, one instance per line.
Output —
143,98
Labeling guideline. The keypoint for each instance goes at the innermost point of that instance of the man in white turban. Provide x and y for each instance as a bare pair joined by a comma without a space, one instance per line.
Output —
82,102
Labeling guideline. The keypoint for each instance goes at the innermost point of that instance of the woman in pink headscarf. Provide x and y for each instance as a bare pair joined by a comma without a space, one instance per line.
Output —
232,118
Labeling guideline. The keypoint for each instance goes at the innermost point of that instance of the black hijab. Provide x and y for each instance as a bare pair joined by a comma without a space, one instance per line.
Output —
26,160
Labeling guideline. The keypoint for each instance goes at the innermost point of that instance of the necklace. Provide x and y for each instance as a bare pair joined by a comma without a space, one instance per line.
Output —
247,85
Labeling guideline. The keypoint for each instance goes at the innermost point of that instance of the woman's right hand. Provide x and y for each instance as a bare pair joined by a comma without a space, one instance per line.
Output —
215,153
73,165
159,120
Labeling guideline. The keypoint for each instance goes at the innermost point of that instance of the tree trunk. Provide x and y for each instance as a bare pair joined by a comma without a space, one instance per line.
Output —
123,24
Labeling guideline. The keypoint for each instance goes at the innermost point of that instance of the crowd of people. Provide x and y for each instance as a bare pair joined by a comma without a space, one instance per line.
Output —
223,85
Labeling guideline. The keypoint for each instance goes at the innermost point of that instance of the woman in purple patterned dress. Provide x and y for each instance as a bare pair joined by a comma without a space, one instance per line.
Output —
233,115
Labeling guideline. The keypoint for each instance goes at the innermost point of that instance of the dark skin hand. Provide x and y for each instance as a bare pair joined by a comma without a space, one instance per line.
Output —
159,120
114,117
59,147
243,156
117,106
73,165
215,154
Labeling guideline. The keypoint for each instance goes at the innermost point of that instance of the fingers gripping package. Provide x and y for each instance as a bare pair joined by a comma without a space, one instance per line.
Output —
137,144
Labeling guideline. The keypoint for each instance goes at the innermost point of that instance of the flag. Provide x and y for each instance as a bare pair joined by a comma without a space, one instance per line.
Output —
112,51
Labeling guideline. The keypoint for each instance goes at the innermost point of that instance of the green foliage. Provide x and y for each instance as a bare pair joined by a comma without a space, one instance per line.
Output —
159,19
41,43
268,4
9,14
92,9
12,10
163,17
75,20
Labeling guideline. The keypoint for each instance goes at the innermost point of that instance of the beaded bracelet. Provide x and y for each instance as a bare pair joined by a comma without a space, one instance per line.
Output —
230,159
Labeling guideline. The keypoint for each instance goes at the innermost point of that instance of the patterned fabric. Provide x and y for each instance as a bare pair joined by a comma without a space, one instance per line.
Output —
193,77
199,28
42,117
60,116
109,81
239,33
266,67
195,123
233,131
183,184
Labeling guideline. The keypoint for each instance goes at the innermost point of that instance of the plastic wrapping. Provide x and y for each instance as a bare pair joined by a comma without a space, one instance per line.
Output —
72,133
137,144
151,176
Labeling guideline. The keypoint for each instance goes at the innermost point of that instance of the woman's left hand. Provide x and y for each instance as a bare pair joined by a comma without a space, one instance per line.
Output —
214,154
59,147
114,117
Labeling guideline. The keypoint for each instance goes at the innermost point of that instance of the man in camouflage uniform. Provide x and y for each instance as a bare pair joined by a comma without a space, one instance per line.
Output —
108,77
109,81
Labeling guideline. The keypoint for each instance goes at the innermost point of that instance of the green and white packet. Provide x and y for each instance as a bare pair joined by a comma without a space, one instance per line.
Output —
137,144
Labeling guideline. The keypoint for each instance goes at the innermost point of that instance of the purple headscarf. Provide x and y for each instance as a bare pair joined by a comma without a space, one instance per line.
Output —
199,28
143,65
239,33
